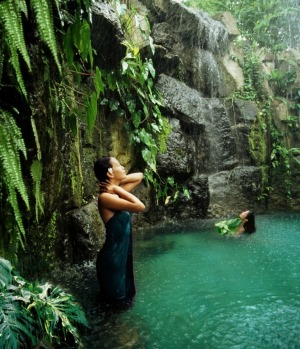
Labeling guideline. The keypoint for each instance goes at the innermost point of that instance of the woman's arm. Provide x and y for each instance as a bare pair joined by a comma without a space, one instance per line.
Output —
118,199
131,181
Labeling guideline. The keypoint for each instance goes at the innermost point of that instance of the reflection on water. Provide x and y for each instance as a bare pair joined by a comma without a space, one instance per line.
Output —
197,289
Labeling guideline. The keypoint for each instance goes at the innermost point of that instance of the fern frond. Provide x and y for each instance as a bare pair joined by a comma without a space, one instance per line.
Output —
11,18
44,18
22,6
11,144
10,14
36,170
1,63
14,58
36,138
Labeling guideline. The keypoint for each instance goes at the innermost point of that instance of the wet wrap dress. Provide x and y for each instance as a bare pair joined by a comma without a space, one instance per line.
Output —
114,262
228,226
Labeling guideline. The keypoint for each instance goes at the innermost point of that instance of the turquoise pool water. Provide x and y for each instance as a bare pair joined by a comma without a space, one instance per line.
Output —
196,289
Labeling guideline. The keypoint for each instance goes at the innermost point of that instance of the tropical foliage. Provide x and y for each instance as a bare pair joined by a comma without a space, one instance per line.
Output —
63,28
15,68
37,314
272,24
140,103
11,145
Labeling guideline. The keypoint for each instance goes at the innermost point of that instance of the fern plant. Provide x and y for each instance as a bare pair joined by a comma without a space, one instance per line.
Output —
137,99
11,145
32,313
14,60
11,22
11,12
44,20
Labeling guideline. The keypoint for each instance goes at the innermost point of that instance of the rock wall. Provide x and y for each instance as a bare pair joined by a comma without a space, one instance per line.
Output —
208,149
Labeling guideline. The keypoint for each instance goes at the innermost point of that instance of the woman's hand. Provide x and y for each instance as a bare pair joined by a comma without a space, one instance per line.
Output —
107,187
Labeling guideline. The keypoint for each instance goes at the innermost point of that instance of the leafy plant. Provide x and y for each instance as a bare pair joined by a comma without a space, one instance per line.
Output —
44,20
272,24
32,313
15,66
281,81
11,12
11,145
11,27
252,88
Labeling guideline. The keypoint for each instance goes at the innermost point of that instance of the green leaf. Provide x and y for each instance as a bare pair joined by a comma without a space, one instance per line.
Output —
68,46
85,40
5,272
155,127
98,82
111,81
92,111
124,67
113,104
137,119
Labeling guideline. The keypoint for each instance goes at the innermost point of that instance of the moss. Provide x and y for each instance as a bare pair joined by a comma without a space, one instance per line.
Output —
120,143
76,177
258,138
163,136
258,141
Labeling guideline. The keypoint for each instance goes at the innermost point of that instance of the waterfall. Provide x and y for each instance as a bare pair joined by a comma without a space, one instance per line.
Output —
289,24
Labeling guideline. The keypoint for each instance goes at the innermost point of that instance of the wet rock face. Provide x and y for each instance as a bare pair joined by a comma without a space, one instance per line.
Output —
192,41
106,34
233,191
86,233
216,146
181,159
197,29
208,147
212,143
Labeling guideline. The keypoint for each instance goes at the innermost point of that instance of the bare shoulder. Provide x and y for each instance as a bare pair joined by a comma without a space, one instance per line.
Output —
104,197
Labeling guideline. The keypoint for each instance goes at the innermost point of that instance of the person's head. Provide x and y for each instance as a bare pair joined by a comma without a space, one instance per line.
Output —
249,221
109,168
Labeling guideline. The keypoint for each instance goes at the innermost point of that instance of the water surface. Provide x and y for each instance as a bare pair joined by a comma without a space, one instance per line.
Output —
197,289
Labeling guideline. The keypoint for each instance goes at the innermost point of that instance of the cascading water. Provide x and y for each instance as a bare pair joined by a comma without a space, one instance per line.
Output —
291,24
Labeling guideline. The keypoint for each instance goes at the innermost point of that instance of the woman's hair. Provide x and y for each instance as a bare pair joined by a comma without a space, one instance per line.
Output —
101,167
249,226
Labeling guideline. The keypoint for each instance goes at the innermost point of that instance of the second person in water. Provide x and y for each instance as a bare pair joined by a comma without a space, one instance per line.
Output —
245,223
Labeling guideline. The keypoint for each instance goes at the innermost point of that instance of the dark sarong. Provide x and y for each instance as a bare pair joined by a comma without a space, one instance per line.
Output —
115,262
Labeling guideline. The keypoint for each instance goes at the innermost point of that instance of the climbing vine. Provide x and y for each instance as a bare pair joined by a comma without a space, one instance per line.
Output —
76,94
136,98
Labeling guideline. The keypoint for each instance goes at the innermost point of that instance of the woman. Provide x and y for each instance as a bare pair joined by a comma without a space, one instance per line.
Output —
116,203
237,226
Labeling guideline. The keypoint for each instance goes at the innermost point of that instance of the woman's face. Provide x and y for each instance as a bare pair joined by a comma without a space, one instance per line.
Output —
117,169
244,215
